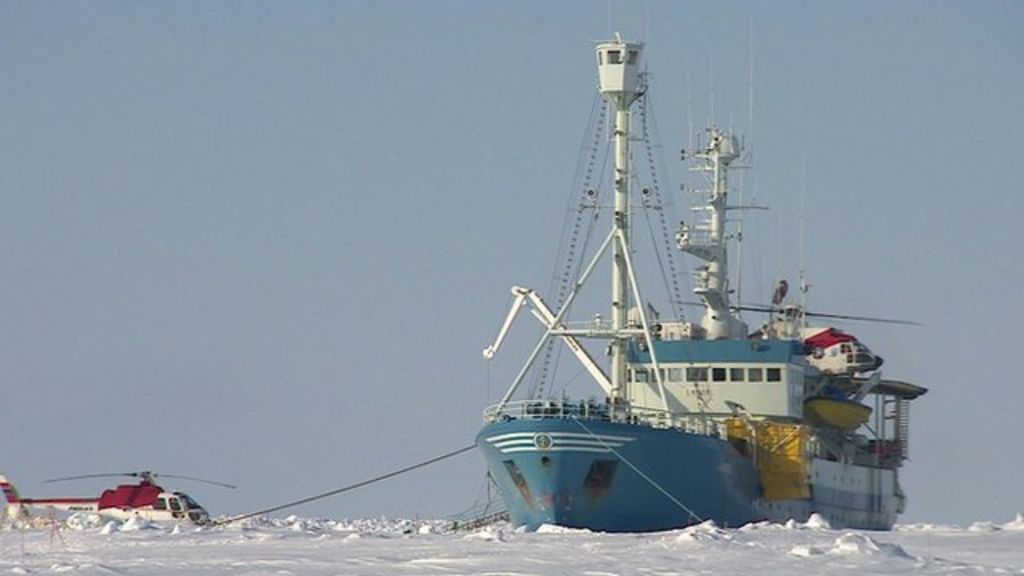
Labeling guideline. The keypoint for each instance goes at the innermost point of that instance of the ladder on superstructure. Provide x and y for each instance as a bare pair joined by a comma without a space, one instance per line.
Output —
903,426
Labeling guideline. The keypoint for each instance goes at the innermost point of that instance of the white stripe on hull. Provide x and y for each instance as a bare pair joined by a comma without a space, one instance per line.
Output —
515,442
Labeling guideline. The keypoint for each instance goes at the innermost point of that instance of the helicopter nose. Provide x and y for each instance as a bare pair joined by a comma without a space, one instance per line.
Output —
199,516
866,361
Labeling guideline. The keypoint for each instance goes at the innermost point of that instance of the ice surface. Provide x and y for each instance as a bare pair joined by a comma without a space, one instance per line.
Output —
387,547
854,543
818,522
1017,524
705,532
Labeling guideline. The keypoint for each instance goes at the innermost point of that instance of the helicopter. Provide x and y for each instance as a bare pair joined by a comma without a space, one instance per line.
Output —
829,349
836,352
146,499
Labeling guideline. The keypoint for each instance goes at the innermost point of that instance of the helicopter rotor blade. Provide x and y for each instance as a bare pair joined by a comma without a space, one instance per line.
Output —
194,479
83,476
769,310
774,309
864,319
145,474
750,308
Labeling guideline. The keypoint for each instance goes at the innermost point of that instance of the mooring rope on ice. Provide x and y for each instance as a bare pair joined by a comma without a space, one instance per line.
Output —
337,491
639,471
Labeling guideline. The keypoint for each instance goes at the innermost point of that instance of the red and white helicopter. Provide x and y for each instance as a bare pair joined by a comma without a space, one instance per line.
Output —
835,352
829,349
146,499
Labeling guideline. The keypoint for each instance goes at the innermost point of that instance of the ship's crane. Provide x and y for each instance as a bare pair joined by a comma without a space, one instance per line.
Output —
546,317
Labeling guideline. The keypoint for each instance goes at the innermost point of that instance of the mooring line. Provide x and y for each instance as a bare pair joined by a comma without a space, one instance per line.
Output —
638,471
309,499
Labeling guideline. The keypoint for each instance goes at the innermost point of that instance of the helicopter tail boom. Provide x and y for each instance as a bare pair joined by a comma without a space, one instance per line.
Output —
13,510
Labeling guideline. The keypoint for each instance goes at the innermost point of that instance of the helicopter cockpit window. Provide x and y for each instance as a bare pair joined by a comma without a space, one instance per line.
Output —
160,504
175,504
189,502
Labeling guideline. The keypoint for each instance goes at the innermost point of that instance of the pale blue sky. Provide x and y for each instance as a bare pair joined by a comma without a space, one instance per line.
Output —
265,242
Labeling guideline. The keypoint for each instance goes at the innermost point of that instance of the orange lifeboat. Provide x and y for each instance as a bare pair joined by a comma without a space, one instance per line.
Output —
837,413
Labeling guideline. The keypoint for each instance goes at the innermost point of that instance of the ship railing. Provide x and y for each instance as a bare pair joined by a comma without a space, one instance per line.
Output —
563,409
874,453
885,453
703,423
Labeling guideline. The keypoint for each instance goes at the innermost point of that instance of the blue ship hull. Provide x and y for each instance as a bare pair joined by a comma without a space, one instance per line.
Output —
615,476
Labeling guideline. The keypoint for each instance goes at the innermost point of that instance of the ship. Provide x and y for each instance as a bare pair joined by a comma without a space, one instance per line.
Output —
693,421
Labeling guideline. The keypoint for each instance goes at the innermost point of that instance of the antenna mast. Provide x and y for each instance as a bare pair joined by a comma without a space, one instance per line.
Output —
804,286
707,240
749,149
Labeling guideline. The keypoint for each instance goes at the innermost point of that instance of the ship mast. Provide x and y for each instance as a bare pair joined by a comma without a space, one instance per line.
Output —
707,240
621,84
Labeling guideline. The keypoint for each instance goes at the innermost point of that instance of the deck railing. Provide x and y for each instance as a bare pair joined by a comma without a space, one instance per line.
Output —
707,424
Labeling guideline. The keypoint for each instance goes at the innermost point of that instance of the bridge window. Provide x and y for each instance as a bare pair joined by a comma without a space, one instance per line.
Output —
640,376
718,374
696,374
614,57
736,374
774,375
755,374
675,374
632,56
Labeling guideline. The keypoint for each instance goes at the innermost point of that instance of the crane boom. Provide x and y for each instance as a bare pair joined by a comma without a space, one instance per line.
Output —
547,318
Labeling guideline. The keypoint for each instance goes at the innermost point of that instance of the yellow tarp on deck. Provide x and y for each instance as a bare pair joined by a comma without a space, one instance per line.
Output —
780,452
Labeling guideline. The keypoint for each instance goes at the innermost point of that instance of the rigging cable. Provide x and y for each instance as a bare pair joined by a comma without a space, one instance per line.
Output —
650,480
659,206
569,260
337,491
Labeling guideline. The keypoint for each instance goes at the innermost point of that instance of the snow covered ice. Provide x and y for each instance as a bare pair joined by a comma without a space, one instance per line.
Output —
383,547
